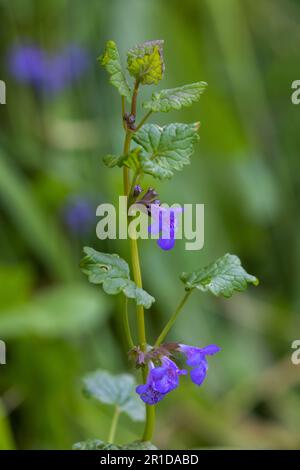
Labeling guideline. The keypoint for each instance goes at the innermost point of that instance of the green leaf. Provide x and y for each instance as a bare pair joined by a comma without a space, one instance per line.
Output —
165,149
130,161
111,160
113,273
145,62
139,445
175,98
223,277
57,312
110,59
96,444
117,390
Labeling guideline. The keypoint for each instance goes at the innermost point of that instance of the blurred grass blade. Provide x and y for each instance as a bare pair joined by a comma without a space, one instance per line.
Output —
40,233
6,438
57,312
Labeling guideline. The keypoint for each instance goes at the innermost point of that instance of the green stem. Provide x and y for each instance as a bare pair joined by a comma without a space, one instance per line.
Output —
123,113
113,427
126,184
134,97
172,320
143,120
150,415
150,409
126,325
137,276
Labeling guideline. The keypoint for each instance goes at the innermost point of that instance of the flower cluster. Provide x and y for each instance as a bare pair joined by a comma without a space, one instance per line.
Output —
163,379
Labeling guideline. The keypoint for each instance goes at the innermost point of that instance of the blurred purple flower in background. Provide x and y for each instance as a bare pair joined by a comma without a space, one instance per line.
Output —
79,214
31,64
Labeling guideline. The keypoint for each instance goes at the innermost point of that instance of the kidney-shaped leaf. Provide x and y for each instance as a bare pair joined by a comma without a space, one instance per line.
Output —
113,273
96,444
222,277
165,149
117,390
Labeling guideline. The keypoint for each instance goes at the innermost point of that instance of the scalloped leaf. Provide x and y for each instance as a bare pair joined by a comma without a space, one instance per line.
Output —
222,277
165,149
96,444
117,390
145,62
113,273
110,59
139,445
175,98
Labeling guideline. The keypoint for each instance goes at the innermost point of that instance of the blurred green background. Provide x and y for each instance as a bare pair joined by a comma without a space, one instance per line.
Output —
246,171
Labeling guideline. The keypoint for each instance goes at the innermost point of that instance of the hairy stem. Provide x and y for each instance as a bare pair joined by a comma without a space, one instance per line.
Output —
126,325
143,120
126,184
134,97
114,424
137,276
123,113
172,320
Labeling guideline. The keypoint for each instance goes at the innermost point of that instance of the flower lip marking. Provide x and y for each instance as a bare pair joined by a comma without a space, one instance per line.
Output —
196,358
164,223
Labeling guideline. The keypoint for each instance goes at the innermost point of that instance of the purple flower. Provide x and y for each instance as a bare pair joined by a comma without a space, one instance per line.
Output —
161,380
79,214
33,65
165,224
166,377
196,358
65,67
149,395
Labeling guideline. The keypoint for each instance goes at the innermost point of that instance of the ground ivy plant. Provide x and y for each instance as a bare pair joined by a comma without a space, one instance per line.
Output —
160,152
